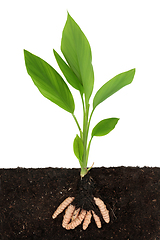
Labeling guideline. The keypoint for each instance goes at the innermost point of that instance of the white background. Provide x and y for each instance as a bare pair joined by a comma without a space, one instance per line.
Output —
123,35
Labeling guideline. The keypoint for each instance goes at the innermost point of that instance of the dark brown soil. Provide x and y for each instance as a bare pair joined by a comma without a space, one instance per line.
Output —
28,198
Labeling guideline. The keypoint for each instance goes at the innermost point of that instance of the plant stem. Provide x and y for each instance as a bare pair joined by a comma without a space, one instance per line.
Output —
85,136
77,124
88,148
89,120
84,171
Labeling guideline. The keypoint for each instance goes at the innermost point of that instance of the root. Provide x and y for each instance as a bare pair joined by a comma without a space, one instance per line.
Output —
97,219
68,215
75,214
62,206
103,209
77,221
82,207
87,220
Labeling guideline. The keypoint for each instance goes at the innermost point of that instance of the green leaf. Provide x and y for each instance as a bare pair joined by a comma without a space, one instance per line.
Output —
49,82
113,86
77,52
68,73
104,127
78,149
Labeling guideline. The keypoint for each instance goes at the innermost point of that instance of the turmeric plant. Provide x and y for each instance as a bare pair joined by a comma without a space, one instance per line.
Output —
77,69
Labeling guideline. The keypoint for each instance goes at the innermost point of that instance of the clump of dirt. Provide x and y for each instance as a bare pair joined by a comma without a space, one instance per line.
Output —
28,198
84,192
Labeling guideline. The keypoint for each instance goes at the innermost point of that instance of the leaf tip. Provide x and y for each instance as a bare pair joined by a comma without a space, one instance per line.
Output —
68,15
54,52
134,70
24,50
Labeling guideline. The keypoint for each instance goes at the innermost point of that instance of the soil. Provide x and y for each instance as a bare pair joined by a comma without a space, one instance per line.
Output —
28,198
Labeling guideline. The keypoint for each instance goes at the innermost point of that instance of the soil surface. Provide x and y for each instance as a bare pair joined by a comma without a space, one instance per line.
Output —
28,198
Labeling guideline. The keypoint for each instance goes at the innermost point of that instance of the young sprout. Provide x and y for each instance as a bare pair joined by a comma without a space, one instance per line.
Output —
78,72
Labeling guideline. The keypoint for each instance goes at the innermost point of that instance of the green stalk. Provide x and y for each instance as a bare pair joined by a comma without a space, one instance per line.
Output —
85,137
77,124
88,148
89,121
